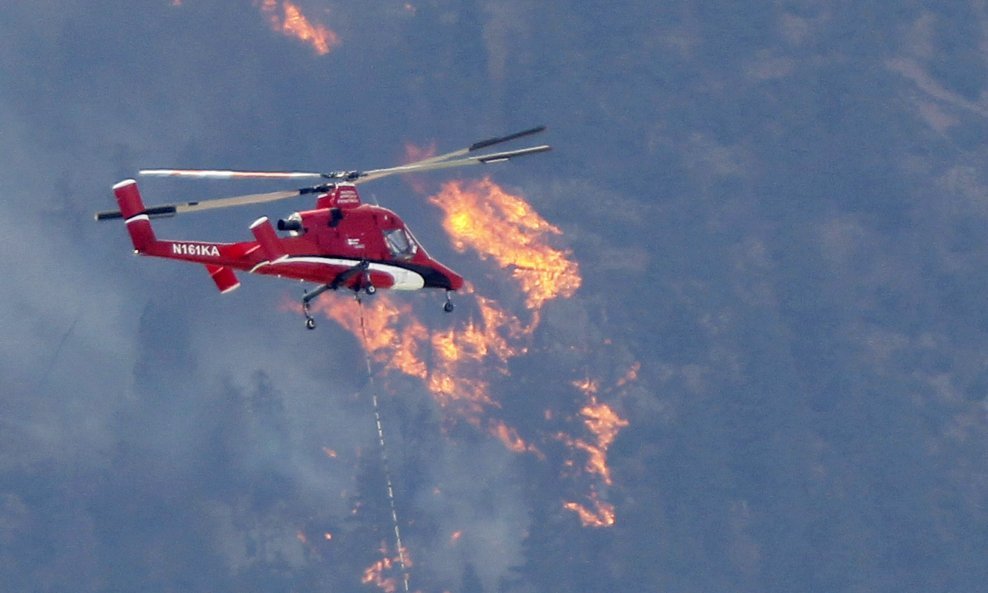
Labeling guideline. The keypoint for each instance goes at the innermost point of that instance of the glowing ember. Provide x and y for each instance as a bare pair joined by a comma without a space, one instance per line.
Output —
290,21
631,376
377,574
509,437
374,574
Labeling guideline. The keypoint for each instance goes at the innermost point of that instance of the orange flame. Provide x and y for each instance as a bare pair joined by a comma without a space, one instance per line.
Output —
376,573
393,335
511,440
604,424
291,22
600,515
456,364
504,227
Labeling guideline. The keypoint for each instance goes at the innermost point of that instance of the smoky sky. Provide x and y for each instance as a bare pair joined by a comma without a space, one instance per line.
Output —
778,211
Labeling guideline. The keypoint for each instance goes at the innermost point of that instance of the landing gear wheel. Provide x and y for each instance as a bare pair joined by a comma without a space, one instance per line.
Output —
448,305
307,298
366,283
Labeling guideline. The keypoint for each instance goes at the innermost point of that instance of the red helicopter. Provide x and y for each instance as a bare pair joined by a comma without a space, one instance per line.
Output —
341,243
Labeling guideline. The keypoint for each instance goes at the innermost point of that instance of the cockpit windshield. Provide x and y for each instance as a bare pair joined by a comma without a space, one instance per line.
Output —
400,243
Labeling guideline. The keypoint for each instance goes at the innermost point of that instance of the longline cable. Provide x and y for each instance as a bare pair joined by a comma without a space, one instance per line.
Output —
384,451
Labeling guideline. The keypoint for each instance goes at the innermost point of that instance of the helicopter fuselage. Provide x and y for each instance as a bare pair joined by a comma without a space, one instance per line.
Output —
341,243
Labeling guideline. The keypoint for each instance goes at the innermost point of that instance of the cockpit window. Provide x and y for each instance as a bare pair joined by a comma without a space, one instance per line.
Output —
400,243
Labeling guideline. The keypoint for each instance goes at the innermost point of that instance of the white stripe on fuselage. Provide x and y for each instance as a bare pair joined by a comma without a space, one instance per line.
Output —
404,279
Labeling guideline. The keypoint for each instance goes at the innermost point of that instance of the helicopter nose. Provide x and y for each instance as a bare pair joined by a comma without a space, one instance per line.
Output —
443,277
455,280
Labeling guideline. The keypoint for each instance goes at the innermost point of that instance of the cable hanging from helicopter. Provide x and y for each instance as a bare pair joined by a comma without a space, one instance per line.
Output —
382,448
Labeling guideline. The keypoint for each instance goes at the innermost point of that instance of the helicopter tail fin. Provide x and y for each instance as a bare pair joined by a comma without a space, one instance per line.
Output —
137,220
224,277
266,238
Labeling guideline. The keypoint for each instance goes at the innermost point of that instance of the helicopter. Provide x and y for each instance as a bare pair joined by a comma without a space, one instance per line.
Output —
340,244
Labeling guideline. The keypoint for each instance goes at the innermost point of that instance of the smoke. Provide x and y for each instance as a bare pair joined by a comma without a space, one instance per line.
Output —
470,488
186,421
479,512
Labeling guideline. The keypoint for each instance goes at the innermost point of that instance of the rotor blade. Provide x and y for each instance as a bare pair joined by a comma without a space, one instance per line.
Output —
166,210
507,138
478,145
430,165
214,174
240,200
345,175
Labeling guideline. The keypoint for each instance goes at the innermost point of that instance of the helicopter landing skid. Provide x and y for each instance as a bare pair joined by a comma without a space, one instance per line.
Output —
308,297
341,279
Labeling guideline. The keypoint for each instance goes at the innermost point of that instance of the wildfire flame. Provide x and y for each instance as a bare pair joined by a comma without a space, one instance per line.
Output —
604,424
458,364
511,440
287,18
499,226
601,513
374,574
393,334
377,574
505,228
